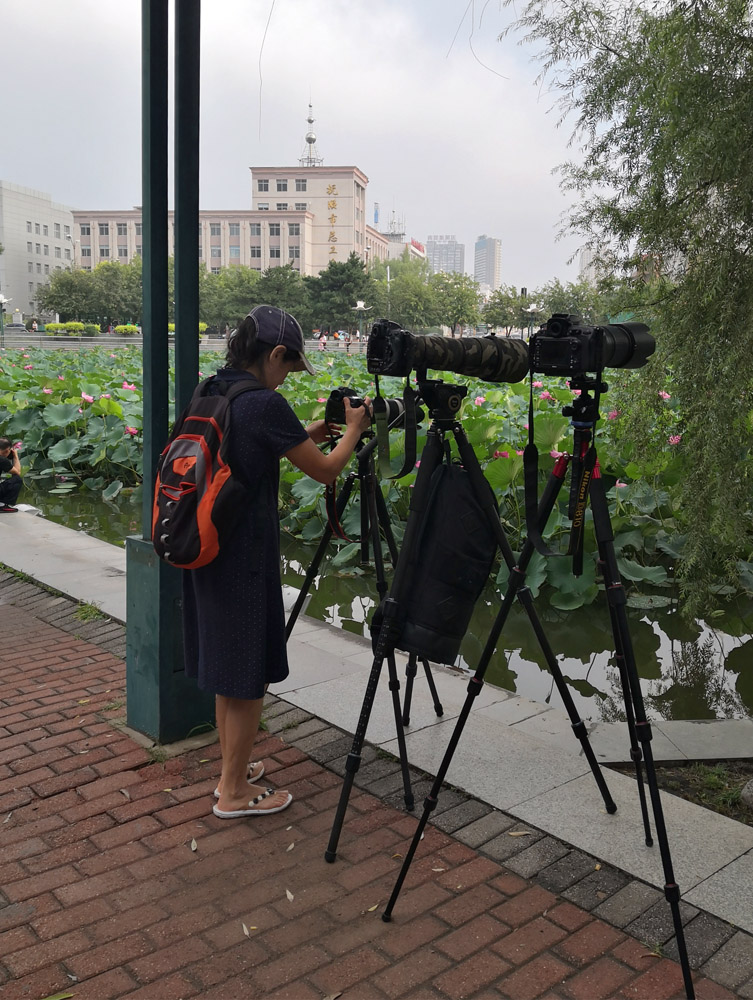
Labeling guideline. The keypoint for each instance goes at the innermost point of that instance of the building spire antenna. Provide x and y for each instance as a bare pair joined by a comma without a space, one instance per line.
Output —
310,157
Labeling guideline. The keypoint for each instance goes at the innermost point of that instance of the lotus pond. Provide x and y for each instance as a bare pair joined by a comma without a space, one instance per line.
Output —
79,421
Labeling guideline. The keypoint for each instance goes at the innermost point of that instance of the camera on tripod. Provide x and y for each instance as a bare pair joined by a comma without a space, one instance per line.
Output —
564,346
334,410
394,351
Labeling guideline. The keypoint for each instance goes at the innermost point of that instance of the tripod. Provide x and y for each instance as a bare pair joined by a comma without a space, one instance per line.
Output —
374,516
587,485
444,401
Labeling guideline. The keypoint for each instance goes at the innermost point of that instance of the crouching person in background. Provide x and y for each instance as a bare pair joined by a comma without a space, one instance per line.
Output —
10,477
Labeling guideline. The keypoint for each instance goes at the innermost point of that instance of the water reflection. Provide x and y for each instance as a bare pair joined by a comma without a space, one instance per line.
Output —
688,670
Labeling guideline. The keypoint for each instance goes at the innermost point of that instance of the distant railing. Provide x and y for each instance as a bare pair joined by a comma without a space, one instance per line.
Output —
216,344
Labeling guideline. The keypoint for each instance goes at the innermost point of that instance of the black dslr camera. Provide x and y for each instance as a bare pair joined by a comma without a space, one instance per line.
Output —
564,346
334,411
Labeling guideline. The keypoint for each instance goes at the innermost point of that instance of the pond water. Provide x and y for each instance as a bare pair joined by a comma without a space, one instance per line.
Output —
688,669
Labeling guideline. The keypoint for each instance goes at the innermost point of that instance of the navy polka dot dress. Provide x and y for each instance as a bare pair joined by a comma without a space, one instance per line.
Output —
233,616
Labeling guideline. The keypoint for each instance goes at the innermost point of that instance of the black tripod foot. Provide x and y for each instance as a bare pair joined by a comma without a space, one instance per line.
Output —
330,856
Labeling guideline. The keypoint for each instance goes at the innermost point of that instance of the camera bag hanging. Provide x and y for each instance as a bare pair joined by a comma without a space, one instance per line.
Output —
452,560
410,423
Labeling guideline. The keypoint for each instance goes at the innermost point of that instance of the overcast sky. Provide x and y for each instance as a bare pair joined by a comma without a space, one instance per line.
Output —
445,120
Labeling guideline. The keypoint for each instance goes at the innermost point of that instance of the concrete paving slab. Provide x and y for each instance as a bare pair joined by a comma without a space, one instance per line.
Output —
495,763
710,739
611,743
310,664
701,842
728,893
511,710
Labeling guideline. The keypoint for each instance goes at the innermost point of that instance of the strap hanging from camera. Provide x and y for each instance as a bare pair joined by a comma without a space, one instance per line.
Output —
531,484
382,424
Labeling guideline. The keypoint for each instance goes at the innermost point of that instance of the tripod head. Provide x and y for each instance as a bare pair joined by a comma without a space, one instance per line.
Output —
584,409
443,400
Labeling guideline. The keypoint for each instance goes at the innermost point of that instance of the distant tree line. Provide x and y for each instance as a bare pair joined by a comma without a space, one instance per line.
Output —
412,296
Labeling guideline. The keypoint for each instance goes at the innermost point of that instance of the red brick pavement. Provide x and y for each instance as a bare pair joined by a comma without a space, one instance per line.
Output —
117,880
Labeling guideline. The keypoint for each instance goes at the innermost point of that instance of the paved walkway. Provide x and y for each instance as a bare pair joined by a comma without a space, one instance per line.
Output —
91,825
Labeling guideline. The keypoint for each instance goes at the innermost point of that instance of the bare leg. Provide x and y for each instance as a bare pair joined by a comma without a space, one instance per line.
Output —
238,725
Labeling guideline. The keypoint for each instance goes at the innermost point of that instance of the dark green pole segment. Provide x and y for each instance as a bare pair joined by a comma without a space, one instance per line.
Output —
187,60
154,218
162,701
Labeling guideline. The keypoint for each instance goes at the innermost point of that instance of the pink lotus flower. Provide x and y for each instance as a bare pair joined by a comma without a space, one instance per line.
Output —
28,367
61,378
479,400
321,399
24,355
576,392
113,355
675,438
501,454
46,391
87,397
613,414
418,463
201,374
127,386
556,454
80,410
619,484
105,395
538,385
518,452
664,395
546,395
133,431
18,446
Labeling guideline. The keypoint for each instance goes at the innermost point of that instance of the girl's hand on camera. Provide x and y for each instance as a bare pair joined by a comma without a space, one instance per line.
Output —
358,416
320,431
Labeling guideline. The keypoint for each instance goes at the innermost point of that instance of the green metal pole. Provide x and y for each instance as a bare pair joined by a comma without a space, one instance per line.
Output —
187,65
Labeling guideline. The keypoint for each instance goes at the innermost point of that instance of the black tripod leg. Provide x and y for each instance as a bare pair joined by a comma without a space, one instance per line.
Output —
617,604
432,688
548,498
313,569
410,675
403,753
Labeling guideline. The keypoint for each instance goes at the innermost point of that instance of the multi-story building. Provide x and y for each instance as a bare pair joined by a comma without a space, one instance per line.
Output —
487,269
444,253
36,235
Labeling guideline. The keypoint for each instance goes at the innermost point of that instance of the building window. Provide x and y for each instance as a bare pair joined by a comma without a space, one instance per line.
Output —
138,250
37,228
282,206
215,251
274,229
58,252
215,229
68,254
138,228
262,185
263,206
46,250
274,252
103,252
86,251
282,185
294,252
104,229
256,228
46,268
122,251
294,229
234,228
38,247
28,227
31,267
216,270
300,183
28,247
256,251
45,230
86,229
122,229
235,251
31,288
57,230
66,230
39,268
301,206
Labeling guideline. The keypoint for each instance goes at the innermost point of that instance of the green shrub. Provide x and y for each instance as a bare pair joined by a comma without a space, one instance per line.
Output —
73,329
202,328
53,329
126,330
91,330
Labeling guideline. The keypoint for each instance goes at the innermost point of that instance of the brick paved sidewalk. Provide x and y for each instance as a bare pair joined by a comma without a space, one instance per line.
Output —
116,879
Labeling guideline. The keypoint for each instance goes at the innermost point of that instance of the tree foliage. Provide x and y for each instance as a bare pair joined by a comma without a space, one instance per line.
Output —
662,102
456,299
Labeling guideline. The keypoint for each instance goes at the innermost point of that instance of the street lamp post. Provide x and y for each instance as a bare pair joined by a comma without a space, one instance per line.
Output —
531,310
360,307
3,303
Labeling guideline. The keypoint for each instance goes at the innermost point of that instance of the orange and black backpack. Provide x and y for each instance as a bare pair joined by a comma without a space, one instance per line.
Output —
197,500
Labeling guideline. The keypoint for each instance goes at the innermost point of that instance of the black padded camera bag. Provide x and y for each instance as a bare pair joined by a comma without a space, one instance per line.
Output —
454,557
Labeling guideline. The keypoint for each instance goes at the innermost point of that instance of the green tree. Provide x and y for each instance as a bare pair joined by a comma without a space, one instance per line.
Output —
660,98
502,310
409,297
456,297
70,294
284,287
335,291
578,299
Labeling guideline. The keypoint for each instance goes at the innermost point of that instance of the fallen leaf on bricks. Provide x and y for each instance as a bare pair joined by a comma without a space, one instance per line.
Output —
167,789
333,996
194,845
597,868
439,869
7,818
204,760
398,856
372,908
60,996
124,791
84,701
290,895
651,954
290,847
518,833
245,930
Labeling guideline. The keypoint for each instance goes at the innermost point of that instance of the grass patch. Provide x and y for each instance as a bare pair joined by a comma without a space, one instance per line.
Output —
715,786
89,612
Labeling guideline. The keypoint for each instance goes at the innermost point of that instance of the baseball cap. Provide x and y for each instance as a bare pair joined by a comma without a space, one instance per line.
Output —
275,326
